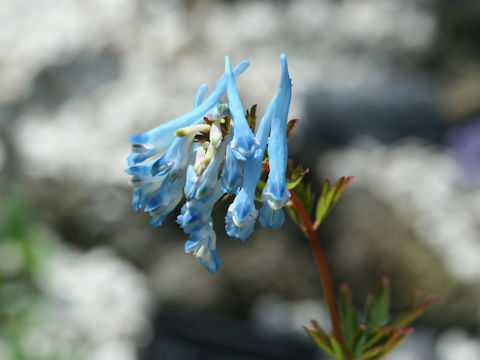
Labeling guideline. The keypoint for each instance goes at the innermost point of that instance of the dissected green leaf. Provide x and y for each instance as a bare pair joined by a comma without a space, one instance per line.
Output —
325,188
294,215
413,311
329,198
323,203
349,316
360,339
340,186
304,194
317,327
321,342
327,343
378,337
321,338
377,309
395,340
371,340
371,354
296,177
337,348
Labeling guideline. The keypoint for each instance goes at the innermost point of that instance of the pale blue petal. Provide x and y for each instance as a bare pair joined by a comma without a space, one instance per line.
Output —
138,157
209,178
271,218
191,183
244,143
182,159
202,90
145,182
232,174
165,163
241,229
142,195
143,171
202,244
196,212
241,214
166,199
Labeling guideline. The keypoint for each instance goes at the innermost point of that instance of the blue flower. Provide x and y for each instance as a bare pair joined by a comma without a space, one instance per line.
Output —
242,214
207,153
202,244
276,192
244,144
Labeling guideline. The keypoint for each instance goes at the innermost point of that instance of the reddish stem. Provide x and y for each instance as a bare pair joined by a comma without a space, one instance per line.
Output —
311,234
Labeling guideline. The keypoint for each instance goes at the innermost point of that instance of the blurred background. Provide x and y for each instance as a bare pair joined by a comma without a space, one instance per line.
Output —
387,91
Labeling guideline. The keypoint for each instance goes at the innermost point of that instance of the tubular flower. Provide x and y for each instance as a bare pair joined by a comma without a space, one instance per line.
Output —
232,174
276,193
208,154
244,144
242,214
202,244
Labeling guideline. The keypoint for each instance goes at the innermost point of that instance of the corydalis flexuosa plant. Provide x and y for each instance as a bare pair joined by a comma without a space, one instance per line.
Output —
215,150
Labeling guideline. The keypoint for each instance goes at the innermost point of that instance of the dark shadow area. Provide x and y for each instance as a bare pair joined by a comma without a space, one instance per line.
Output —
187,335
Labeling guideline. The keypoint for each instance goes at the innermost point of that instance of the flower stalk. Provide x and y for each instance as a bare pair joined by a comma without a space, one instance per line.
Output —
311,235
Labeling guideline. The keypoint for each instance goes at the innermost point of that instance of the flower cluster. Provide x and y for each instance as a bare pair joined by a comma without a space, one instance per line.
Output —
211,151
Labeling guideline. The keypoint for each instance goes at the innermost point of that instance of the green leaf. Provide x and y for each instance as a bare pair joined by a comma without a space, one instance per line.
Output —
327,343
329,198
340,186
337,349
413,311
296,177
378,337
371,354
293,215
321,338
325,188
361,338
304,194
377,308
398,336
349,318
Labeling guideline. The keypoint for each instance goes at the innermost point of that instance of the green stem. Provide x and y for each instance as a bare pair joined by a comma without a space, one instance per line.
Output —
311,234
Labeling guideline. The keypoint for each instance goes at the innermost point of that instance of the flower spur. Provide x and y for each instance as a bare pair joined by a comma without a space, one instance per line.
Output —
211,153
